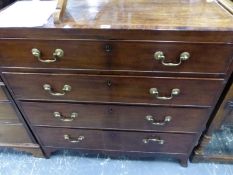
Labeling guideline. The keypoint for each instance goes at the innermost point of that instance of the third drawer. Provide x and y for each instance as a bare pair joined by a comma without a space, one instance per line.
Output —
120,117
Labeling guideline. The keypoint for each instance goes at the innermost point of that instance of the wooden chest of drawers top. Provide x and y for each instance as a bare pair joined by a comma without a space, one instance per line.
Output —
146,14
171,20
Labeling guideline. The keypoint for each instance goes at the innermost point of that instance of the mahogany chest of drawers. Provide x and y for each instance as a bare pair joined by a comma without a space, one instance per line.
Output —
129,90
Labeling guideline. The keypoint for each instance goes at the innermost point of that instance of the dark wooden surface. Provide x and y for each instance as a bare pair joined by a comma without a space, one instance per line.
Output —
116,117
117,55
122,89
116,140
188,36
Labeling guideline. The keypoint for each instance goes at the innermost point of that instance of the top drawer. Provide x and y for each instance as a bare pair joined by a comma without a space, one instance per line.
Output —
116,55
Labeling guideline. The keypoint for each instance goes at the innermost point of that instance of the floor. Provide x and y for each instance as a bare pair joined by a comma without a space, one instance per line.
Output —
63,163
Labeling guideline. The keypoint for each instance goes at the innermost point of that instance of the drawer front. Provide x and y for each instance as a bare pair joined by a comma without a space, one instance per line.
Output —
139,90
116,140
3,97
184,120
10,134
7,113
116,55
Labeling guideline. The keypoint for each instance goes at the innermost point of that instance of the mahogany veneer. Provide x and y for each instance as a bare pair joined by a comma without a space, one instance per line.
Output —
133,56
115,89
116,140
118,117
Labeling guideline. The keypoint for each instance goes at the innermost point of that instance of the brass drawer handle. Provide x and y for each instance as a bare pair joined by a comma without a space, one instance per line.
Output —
73,140
153,139
58,53
65,119
159,55
152,119
66,88
155,92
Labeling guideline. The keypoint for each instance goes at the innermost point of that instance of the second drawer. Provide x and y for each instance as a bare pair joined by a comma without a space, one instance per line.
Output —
184,120
170,91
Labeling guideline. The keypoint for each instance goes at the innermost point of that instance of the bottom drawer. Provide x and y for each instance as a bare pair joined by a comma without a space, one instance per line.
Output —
13,134
116,140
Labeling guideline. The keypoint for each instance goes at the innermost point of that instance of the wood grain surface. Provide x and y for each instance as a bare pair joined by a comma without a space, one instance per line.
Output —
115,89
116,117
130,56
146,14
116,140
